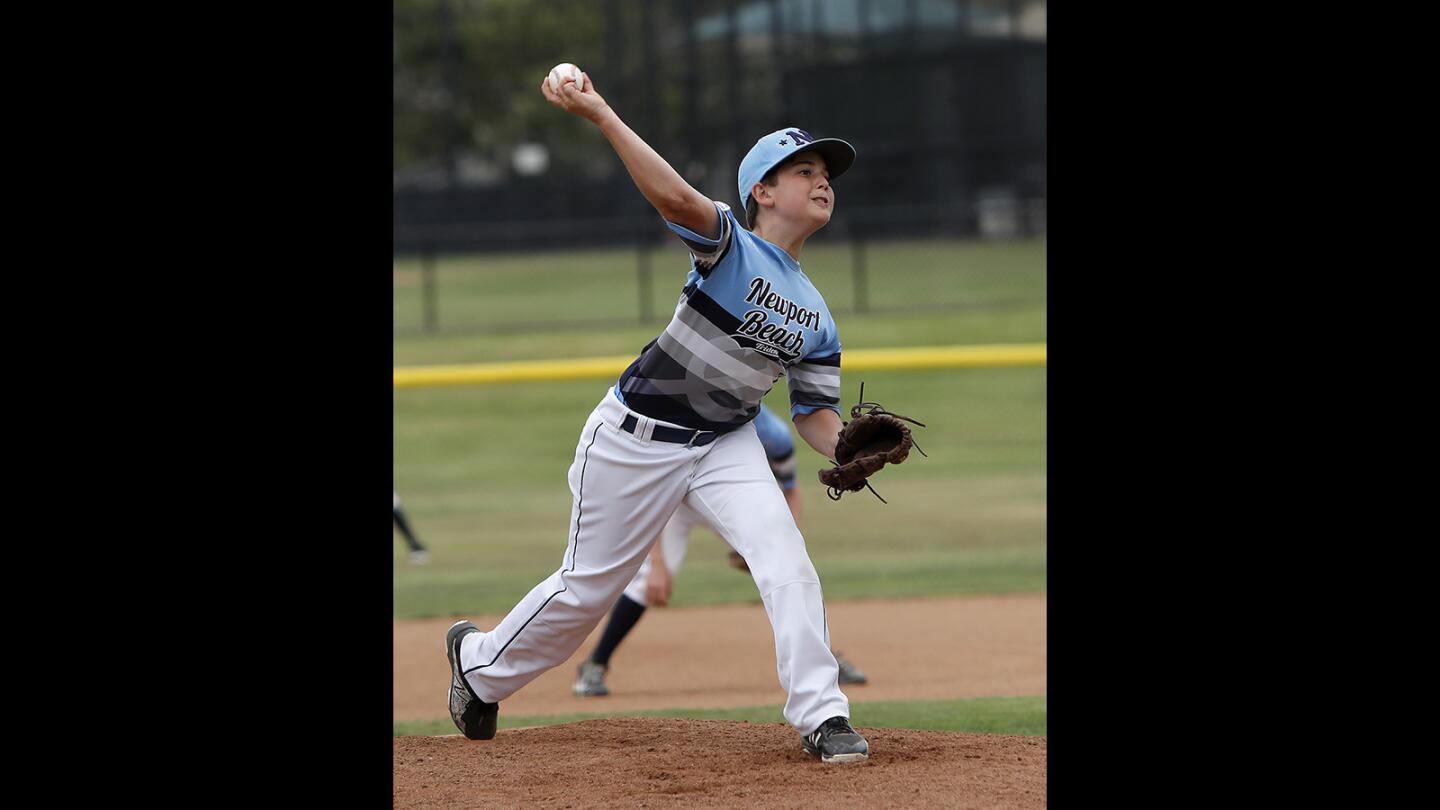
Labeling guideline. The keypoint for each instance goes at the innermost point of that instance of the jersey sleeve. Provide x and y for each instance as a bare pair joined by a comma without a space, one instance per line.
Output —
707,252
815,380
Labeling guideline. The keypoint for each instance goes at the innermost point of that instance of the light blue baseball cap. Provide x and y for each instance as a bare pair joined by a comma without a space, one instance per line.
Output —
773,149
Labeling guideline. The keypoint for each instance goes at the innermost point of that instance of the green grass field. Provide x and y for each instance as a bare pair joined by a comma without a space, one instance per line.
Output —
482,469
494,507
921,292
1026,715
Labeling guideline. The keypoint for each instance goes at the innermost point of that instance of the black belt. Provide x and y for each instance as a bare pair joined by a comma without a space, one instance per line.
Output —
690,438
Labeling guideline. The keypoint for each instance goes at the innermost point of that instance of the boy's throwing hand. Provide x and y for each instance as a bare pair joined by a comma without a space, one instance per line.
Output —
573,98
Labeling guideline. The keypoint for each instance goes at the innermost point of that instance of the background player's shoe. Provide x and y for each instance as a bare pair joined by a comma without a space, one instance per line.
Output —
590,681
849,673
419,557
474,717
835,741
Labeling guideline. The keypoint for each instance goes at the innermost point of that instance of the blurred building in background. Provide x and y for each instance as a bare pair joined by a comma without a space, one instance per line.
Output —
944,100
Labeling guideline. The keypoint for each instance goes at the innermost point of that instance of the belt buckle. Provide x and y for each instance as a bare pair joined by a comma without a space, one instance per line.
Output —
696,435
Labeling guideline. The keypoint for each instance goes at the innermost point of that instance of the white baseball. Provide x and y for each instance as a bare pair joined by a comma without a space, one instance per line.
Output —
565,72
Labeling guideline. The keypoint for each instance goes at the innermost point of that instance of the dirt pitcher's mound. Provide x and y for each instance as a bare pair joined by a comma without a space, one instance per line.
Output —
664,763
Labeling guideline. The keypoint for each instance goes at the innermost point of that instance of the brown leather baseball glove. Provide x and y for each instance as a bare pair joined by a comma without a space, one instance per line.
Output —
871,440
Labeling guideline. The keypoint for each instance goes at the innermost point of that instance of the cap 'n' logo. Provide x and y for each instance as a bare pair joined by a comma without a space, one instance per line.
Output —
801,137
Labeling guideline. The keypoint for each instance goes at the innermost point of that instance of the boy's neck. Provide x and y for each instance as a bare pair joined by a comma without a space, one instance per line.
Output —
789,240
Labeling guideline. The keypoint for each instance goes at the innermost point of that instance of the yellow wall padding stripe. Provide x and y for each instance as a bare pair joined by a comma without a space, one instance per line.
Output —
594,368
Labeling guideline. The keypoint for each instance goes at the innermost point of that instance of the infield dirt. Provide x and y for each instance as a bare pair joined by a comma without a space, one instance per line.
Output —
663,763
724,657
720,657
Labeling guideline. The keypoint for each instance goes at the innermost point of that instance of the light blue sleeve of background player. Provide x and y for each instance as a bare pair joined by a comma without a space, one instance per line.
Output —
774,434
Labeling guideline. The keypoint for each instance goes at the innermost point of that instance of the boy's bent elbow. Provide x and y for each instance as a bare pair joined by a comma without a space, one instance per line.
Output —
691,209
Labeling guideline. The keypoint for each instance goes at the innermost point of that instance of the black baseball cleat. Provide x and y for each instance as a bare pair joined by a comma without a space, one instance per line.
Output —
474,717
836,741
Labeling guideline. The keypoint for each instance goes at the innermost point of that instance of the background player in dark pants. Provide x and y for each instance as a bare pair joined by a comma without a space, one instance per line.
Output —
418,554
652,582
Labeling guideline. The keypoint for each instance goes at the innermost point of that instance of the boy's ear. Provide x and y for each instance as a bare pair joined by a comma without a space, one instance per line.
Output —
762,194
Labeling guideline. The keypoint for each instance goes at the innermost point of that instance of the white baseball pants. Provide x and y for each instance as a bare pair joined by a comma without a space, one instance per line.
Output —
625,487
674,541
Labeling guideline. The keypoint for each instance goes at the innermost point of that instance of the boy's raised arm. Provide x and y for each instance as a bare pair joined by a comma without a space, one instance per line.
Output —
676,200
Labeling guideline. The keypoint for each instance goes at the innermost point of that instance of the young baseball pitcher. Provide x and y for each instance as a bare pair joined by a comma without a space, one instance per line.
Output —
676,428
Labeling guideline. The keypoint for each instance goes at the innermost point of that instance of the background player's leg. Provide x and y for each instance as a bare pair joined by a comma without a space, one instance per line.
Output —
622,619
623,492
674,542
418,553
590,677
735,492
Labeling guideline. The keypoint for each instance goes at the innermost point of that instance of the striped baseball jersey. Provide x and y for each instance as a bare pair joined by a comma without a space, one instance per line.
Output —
747,315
